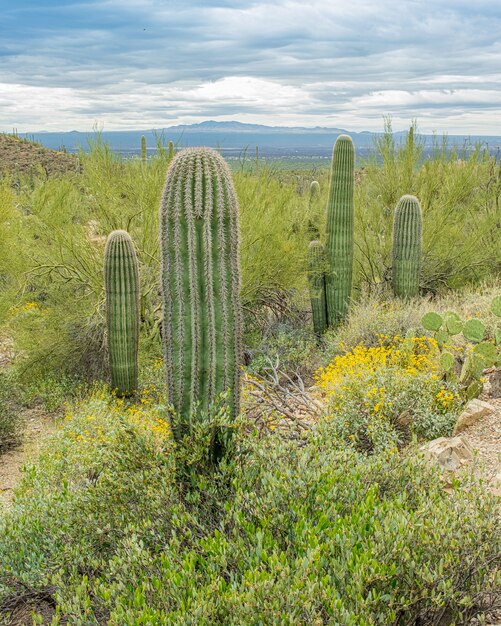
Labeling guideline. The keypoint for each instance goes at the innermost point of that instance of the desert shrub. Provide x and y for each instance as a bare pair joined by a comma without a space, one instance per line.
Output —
287,534
288,348
459,193
378,313
10,422
379,396
64,223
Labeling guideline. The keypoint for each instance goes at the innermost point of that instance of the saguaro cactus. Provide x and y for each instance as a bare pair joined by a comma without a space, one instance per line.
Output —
202,325
170,153
121,279
143,149
316,280
339,244
407,243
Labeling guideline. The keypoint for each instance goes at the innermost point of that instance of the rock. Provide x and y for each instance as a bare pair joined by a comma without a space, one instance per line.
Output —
474,410
450,452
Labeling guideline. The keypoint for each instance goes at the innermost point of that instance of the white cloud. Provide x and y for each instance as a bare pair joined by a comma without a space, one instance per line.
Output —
148,63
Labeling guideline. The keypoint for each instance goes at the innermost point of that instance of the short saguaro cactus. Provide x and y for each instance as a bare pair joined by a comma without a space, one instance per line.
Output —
121,278
407,244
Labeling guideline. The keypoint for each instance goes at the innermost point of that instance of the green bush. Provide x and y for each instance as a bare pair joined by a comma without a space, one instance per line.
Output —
458,191
288,534
380,396
10,423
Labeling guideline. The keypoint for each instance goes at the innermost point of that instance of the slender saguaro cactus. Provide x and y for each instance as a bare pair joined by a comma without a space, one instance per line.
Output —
316,281
121,279
143,149
202,326
170,154
339,244
407,243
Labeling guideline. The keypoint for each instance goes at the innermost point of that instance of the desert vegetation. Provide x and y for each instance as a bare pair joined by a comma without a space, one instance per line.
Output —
243,367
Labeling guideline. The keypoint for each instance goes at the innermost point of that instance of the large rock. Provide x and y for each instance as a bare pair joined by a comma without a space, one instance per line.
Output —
450,452
474,410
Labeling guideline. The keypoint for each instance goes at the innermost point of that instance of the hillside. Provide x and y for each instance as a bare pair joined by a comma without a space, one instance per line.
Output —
20,156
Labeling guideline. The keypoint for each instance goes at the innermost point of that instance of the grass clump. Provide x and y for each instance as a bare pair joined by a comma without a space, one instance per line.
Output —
282,534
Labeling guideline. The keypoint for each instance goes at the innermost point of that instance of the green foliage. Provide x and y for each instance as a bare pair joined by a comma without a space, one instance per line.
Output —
316,281
287,534
339,231
459,194
53,233
10,422
121,279
202,326
143,149
407,242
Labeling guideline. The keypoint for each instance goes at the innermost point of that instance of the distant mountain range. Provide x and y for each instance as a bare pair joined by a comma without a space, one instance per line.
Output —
236,137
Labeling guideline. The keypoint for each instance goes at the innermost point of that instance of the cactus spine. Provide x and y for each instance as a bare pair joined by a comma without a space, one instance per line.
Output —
339,241
316,280
143,149
121,279
202,325
407,243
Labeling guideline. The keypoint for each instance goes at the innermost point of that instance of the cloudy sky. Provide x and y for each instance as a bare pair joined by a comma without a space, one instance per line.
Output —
137,64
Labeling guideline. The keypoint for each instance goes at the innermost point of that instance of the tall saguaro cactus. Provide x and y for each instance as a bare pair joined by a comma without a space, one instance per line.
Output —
407,243
316,281
143,149
121,278
339,243
202,325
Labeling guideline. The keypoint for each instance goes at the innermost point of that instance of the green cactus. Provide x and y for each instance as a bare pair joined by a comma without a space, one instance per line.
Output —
121,279
202,326
143,149
339,241
407,242
314,189
171,152
316,280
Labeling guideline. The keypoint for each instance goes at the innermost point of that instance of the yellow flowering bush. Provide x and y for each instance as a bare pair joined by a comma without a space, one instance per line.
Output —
379,396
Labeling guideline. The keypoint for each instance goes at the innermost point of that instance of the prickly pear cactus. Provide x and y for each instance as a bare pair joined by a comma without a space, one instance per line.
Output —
202,325
407,242
121,279
339,243
316,281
